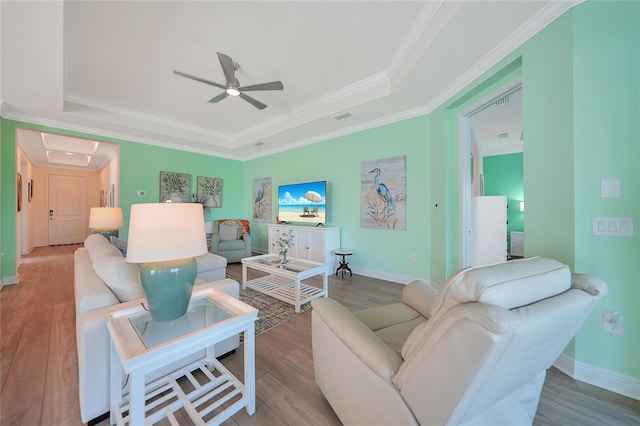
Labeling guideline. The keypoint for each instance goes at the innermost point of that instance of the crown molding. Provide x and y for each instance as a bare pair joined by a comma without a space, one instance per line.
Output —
67,126
544,17
115,112
372,124
429,23
540,20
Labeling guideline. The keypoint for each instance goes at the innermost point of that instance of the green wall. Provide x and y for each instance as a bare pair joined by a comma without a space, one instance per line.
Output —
339,162
9,201
144,175
606,116
504,175
548,141
580,78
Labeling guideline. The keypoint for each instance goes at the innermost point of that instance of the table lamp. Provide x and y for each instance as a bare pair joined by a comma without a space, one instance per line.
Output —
106,220
164,238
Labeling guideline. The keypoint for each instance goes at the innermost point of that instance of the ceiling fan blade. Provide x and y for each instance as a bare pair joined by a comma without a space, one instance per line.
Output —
252,101
274,85
201,80
229,70
218,98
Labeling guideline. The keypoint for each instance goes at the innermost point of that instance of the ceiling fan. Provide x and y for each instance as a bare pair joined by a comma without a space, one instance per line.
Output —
233,88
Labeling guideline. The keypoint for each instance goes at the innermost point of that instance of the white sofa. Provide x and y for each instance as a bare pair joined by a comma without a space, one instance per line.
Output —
103,283
472,352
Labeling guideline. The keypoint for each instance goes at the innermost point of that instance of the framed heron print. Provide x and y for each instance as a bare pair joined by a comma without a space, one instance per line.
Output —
262,211
383,200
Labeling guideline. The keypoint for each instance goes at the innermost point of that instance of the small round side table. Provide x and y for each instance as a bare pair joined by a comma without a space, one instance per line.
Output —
344,265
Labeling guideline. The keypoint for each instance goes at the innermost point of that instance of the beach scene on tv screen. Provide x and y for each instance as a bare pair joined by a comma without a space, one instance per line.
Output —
302,202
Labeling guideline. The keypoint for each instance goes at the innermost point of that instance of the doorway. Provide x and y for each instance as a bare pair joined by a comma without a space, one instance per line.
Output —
488,133
57,154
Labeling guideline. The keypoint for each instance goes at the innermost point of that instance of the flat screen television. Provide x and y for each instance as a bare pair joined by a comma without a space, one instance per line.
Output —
303,202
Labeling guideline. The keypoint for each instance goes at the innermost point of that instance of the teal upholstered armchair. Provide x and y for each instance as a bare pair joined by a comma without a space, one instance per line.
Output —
231,239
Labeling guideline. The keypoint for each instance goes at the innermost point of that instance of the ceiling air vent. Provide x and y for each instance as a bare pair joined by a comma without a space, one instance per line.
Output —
343,116
503,100
503,135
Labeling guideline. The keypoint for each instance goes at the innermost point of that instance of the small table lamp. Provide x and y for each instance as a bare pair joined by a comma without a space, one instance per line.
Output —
165,237
106,220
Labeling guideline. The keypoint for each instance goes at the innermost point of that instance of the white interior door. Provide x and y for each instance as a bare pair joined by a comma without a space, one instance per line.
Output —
67,209
488,230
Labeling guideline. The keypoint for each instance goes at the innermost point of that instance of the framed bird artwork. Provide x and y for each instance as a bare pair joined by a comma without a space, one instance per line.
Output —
383,199
262,211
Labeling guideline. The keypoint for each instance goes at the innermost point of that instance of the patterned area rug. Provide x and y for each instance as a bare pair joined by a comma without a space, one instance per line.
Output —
272,312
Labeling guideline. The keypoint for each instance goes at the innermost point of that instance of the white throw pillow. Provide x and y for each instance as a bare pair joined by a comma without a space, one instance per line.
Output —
97,246
121,277
228,232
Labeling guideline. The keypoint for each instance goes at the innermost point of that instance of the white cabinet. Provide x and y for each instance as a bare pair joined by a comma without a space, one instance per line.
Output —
315,244
488,230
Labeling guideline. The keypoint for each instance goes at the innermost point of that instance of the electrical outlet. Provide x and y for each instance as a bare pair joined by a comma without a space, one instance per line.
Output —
413,257
612,322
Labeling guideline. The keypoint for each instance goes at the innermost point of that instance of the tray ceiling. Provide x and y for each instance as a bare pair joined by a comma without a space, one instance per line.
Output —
107,67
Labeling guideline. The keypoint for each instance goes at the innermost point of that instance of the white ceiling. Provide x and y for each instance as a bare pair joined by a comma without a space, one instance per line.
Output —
106,67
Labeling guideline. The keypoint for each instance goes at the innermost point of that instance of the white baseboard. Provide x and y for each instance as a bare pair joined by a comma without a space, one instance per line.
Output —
402,279
13,279
600,377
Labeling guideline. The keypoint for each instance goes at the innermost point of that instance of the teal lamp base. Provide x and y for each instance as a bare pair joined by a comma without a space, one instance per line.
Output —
168,287
107,232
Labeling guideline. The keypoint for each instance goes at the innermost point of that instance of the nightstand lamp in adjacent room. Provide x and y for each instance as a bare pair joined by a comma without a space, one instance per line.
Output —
106,221
165,238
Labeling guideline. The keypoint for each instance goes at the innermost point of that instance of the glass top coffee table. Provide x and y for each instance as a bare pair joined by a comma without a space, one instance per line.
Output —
283,281
203,391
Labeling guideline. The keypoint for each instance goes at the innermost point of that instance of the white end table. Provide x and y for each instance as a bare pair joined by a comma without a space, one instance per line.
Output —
141,346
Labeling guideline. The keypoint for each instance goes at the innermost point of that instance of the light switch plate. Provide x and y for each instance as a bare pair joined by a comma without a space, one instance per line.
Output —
612,226
610,188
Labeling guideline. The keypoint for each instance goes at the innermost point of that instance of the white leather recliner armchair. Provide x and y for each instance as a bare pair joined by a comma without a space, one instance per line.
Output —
474,351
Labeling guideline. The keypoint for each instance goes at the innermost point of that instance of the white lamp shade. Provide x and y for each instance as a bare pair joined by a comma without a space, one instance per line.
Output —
105,217
165,231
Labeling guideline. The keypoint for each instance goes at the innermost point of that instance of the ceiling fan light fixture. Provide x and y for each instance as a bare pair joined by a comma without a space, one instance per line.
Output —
232,86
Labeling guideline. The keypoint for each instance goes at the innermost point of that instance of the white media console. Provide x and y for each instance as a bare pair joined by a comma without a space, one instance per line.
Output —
316,244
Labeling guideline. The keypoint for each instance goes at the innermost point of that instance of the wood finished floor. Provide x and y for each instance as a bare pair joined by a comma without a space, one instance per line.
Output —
38,361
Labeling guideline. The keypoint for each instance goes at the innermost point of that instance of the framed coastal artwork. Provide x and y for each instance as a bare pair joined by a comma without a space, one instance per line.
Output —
383,193
209,191
175,187
262,211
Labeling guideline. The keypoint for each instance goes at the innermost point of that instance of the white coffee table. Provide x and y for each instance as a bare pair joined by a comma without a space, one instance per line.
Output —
141,346
283,281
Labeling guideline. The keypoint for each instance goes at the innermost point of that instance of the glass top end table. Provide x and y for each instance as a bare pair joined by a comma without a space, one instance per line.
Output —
140,346
201,313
